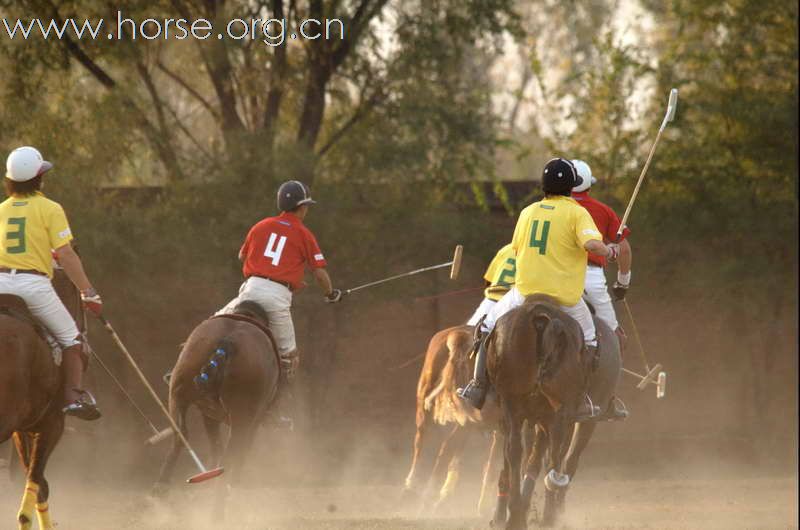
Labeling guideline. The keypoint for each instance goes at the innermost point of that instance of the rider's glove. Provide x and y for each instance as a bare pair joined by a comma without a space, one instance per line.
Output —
620,288
92,301
613,252
334,296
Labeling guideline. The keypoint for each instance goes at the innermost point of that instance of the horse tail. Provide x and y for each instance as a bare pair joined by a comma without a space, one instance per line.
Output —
212,374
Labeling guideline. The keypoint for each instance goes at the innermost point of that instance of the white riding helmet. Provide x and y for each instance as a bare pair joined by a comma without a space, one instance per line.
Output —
25,163
585,172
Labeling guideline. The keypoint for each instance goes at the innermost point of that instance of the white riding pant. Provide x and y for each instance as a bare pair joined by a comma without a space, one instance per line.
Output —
513,298
276,300
486,305
595,292
43,303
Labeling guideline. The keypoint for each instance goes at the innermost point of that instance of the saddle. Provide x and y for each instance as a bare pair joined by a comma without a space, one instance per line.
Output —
259,325
15,307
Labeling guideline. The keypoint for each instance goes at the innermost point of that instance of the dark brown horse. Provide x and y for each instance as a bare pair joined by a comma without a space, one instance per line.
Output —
447,366
538,367
229,369
602,384
31,395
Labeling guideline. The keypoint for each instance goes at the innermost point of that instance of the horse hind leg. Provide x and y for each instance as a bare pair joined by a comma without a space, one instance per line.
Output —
212,427
178,412
580,439
422,420
453,467
37,490
536,450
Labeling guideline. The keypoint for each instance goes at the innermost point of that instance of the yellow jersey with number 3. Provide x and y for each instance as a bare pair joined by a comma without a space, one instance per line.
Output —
500,273
548,242
30,229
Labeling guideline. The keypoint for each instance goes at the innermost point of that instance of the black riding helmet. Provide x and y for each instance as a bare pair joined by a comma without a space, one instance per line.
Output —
292,194
559,177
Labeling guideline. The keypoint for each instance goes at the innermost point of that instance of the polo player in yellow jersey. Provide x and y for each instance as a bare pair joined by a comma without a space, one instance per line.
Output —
33,230
550,242
499,278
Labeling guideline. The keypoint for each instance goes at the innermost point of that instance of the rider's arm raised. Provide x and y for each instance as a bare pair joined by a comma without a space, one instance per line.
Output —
72,265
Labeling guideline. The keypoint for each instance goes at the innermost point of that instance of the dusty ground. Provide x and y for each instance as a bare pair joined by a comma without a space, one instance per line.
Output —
595,501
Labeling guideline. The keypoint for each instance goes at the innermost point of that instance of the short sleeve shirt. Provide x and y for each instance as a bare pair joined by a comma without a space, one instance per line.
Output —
548,242
280,248
30,229
606,220
500,273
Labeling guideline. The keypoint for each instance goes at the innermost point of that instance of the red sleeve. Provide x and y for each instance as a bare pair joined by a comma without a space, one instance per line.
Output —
314,256
613,226
247,242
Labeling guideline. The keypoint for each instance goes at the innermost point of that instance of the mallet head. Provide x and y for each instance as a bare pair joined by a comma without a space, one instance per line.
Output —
672,105
455,268
661,385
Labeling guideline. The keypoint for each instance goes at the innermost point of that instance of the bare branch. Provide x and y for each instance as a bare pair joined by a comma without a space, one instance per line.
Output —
188,88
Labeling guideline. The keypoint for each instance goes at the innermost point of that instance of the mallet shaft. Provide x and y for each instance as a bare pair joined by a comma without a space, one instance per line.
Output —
152,391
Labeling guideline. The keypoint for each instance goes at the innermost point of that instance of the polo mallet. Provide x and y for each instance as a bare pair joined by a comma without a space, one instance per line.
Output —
204,474
455,267
124,392
668,117
110,374
654,375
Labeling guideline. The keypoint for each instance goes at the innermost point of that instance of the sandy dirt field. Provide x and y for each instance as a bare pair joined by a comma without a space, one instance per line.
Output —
596,501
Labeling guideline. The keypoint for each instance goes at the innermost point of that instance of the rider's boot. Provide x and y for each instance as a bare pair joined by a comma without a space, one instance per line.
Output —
281,416
475,391
77,402
587,410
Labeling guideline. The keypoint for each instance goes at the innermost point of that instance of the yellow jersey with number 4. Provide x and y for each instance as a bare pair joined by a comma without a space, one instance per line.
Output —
548,242
30,229
500,273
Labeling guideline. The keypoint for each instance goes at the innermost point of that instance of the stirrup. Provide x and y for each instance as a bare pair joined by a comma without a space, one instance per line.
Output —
617,411
592,414
84,408
167,377
474,393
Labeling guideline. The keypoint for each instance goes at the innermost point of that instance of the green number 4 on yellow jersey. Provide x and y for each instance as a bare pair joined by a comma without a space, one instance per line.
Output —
540,240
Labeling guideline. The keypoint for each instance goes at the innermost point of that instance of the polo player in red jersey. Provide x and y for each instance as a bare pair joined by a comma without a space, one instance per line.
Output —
595,289
275,254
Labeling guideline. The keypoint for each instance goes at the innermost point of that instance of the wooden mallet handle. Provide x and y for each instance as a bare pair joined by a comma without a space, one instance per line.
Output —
456,267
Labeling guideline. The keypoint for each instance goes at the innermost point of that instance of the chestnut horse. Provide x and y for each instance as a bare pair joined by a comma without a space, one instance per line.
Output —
31,395
447,366
229,369
537,365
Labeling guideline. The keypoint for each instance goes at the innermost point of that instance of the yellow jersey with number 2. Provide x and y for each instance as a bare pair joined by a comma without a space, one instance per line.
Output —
548,242
500,273
30,229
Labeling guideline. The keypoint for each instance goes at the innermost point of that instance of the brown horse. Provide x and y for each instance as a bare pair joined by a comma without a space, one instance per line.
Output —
602,384
447,366
31,394
538,367
229,369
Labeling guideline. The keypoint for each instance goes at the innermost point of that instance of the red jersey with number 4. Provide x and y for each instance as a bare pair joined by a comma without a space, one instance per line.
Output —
604,218
279,248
